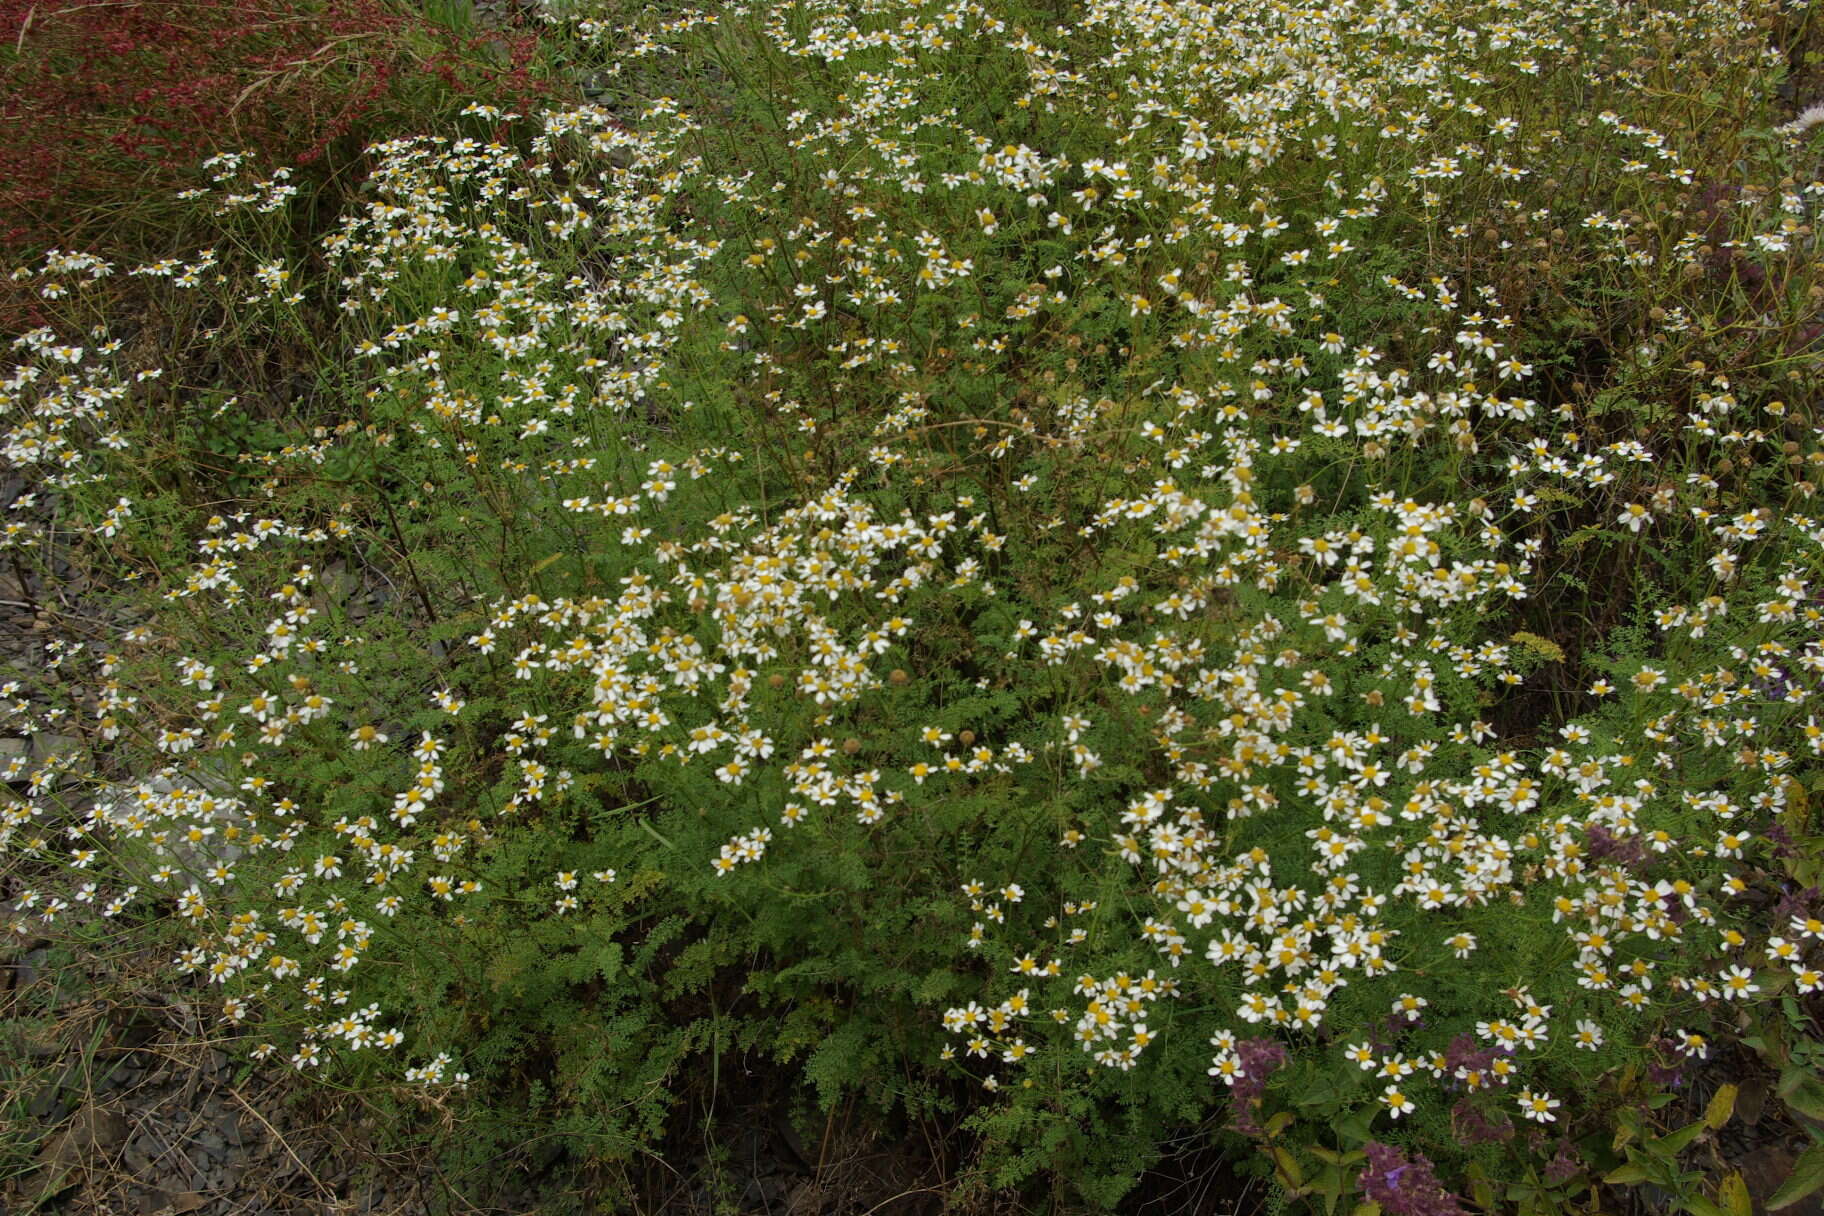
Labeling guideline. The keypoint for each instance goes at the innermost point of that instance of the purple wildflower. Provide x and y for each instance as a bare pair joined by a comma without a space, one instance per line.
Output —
1403,1187
1564,1165
1604,844
1476,1126
1793,902
1259,1059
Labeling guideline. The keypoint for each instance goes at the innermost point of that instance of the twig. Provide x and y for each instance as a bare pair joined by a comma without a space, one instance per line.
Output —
405,554
917,1190
31,601
282,1143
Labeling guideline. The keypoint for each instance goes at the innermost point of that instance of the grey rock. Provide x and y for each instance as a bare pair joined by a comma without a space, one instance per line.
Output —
47,746
337,583
47,1106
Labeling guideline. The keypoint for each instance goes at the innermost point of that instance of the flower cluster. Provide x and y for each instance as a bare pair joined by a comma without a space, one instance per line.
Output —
1405,1187
1072,481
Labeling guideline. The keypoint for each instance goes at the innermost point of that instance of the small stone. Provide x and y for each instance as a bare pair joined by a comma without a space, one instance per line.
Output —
337,584
48,746
119,1078
91,1135
47,1106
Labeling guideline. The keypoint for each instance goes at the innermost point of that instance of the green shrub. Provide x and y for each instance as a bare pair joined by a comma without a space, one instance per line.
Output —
1056,550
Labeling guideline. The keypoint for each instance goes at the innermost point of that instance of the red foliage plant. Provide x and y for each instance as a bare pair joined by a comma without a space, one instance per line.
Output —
104,104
